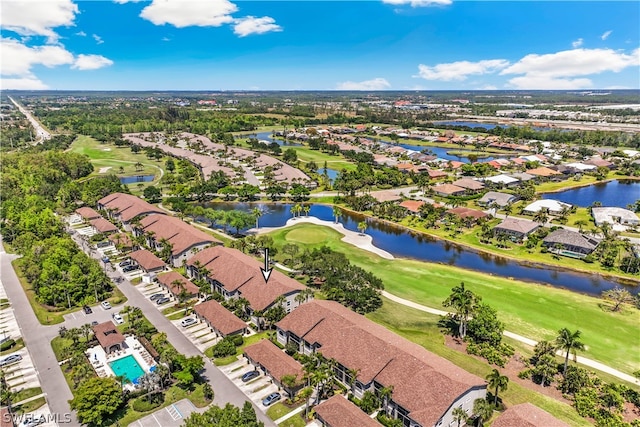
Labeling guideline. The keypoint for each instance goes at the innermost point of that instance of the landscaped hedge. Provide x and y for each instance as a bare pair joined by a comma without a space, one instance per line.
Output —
144,404
7,345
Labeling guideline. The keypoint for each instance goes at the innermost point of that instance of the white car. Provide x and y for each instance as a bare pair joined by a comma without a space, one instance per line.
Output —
106,305
117,318
188,322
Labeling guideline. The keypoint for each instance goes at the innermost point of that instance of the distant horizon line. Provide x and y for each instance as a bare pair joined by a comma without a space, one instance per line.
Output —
574,91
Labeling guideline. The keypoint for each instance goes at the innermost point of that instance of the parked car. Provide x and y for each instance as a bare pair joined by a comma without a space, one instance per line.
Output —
106,260
272,398
125,263
248,376
14,358
162,300
130,268
106,305
87,309
94,323
188,322
156,296
33,421
117,318
103,244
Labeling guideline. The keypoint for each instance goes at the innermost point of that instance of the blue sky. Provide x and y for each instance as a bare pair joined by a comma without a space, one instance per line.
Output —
319,45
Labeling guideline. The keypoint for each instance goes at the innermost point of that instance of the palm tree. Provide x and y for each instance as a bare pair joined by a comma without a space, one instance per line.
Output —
580,224
257,213
86,330
498,382
181,289
306,209
569,342
362,226
507,209
542,216
459,415
482,409
464,302
337,213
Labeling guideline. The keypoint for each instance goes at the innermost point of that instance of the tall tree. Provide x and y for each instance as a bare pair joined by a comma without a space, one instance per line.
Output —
570,343
96,400
618,296
459,415
497,382
464,302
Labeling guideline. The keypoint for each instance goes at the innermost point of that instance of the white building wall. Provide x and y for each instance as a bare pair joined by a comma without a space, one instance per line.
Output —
466,402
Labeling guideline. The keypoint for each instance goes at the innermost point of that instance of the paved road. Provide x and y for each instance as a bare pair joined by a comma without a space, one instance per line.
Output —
38,338
225,390
41,134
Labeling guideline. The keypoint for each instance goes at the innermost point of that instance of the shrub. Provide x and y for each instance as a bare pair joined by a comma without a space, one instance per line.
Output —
369,402
237,340
7,345
207,391
224,348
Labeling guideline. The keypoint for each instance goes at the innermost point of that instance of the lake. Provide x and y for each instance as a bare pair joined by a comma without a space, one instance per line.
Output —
487,126
404,243
441,152
267,136
618,193
136,178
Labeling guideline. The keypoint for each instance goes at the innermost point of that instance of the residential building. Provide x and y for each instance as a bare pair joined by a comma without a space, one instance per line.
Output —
518,229
272,361
527,415
184,239
87,214
219,319
109,337
101,225
471,185
125,208
500,199
600,162
340,412
448,190
554,207
122,241
614,215
468,214
412,206
569,243
502,180
235,274
147,261
170,282
426,387
544,173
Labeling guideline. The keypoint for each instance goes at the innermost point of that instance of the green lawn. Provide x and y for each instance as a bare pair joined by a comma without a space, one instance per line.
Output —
553,186
534,311
222,361
422,329
278,410
306,154
294,421
114,157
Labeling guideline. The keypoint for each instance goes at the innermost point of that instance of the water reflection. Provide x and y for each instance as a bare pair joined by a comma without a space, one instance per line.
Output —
402,243
618,193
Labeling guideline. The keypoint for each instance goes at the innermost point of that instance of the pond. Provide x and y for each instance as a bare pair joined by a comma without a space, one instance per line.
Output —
136,178
267,136
442,152
487,126
404,243
619,193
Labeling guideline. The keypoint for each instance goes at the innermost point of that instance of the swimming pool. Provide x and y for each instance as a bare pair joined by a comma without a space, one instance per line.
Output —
128,367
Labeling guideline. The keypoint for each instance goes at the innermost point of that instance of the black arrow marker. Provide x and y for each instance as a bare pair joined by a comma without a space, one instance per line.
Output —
266,271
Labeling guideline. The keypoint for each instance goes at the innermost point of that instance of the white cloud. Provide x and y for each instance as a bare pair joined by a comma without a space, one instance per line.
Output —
81,34
460,70
488,87
374,84
37,17
561,70
185,13
26,83
252,25
576,44
97,38
418,3
606,34
166,39
18,59
91,62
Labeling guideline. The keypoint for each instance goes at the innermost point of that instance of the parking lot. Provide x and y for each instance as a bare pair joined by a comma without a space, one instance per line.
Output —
20,374
171,416
199,334
256,389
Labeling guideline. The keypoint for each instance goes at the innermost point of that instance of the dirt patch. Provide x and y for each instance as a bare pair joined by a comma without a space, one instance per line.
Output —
104,170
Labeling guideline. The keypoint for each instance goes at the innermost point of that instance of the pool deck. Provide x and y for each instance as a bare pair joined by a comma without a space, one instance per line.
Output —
100,360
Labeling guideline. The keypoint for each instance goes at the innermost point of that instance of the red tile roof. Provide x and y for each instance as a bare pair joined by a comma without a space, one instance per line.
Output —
527,415
423,383
179,234
412,205
107,334
275,361
103,226
128,206
468,183
339,412
237,271
219,317
87,213
463,212
146,259
121,238
543,171
167,280
448,189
